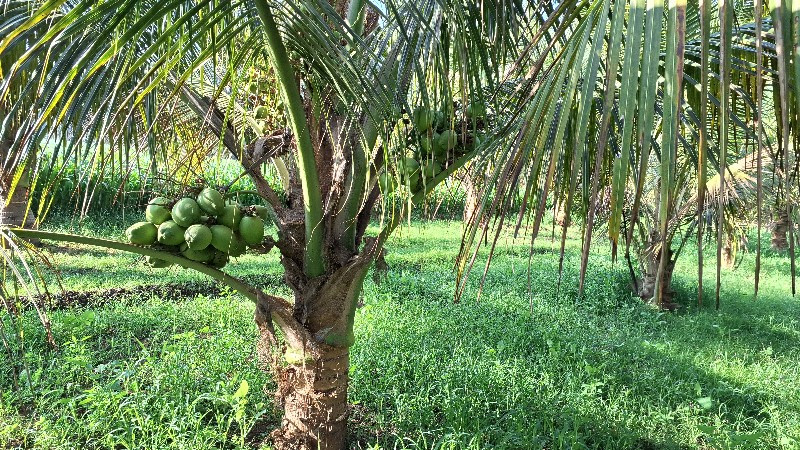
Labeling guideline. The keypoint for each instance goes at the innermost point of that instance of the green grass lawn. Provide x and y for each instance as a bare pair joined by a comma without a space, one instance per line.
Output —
523,366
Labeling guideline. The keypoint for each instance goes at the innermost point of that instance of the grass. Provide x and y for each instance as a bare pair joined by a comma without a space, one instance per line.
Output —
512,369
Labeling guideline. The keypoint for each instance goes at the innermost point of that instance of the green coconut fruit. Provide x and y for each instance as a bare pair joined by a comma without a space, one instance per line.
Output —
447,140
142,233
439,150
423,118
156,263
238,247
252,230
475,110
231,216
219,260
225,240
186,212
410,166
253,88
413,183
197,237
204,255
426,141
439,119
261,211
170,233
157,211
387,183
261,112
211,201
430,169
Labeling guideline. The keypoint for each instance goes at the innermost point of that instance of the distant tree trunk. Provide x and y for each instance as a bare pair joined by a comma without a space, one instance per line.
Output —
780,229
649,261
13,210
728,253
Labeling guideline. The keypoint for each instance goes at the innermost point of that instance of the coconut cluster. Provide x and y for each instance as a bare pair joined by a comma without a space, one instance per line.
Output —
434,142
205,228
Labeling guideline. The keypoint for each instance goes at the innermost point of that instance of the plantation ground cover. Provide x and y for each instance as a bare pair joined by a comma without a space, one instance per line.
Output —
512,369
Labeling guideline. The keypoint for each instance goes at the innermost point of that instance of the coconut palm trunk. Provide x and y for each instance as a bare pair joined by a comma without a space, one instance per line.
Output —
780,229
14,209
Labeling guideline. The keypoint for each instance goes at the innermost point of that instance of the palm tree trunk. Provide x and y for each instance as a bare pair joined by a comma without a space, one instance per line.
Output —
14,213
649,267
314,397
779,231
312,391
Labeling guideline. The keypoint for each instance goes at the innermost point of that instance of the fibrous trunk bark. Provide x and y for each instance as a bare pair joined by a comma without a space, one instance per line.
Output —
646,286
312,391
728,254
779,231
14,212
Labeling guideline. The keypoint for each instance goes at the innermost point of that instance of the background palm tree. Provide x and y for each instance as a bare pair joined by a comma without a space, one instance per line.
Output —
366,88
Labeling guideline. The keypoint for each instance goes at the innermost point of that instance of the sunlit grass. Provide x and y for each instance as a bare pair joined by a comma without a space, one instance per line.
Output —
525,366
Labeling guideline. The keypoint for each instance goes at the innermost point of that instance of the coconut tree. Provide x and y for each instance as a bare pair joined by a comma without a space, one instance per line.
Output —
377,98
634,134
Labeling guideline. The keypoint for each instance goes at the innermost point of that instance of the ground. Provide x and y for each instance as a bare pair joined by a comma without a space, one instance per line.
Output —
167,358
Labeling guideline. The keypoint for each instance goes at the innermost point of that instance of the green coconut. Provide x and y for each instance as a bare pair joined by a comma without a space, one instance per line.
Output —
142,233
238,247
387,183
204,255
447,140
197,237
261,112
430,169
170,233
186,212
231,216
261,211
225,240
157,211
423,118
252,230
475,110
410,166
413,182
156,263
219,260
211,201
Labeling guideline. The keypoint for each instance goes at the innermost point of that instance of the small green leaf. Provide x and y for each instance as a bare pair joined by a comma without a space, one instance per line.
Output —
705,402
244,387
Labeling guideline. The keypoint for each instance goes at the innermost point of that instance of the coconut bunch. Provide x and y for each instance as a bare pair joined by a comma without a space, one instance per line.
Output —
434,141
205,228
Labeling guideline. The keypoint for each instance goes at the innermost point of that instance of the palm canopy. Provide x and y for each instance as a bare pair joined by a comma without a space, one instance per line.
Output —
106,71
630,103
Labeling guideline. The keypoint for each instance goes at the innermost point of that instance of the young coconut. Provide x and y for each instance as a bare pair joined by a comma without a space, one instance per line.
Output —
231,216
157,211
261,211
252,230
156,263
170,233
211,201
197,237
186,212
142,233
204,255
225,240
220,259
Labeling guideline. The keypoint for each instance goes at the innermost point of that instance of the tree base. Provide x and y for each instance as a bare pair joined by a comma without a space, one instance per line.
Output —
312,391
